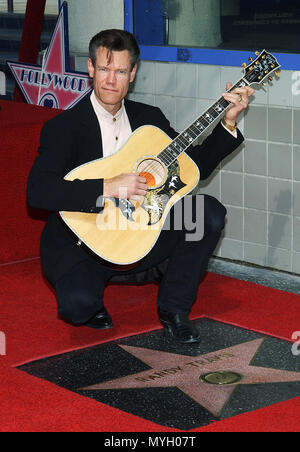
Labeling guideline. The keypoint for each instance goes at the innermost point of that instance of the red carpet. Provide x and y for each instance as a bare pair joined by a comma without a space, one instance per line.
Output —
29,321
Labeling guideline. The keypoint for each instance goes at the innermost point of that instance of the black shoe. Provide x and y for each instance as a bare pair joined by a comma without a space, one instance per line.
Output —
179,326
101,321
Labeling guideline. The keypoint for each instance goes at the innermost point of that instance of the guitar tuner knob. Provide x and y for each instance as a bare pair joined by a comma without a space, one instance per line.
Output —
250,59
244,65
277,73
270,79
257,53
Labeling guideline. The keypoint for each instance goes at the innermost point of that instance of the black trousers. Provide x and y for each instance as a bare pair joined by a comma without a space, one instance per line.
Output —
80,292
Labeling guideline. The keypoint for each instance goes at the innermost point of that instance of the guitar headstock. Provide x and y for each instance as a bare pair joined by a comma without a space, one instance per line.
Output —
261,68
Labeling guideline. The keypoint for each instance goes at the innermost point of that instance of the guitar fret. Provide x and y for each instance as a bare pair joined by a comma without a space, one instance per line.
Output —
204,121
167,156
213,112
218,107
199,126
166,161
174,153
183,140
188,134
195,131
177,146
209,116
223,103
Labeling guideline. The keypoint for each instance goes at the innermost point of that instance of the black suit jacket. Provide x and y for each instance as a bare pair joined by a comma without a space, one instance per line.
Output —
74,138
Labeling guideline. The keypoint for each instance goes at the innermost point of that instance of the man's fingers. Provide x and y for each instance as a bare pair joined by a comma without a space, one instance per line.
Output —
239,96
125,185
143,187
136,198
141,192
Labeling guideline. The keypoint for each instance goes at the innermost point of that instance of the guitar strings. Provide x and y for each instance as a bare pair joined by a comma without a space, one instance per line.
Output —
217,108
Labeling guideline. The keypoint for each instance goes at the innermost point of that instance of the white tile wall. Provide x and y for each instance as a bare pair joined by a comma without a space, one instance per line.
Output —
259,183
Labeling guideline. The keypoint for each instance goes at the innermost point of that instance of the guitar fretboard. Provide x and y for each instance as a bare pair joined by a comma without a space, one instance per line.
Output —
183,141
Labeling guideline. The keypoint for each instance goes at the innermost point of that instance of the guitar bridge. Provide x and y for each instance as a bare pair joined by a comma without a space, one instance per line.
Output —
125,206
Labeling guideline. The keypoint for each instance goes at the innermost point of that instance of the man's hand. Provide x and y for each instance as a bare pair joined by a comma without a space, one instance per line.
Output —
239,98
130,186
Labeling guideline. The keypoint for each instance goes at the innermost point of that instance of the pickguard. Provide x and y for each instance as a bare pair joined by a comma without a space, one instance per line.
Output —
156,199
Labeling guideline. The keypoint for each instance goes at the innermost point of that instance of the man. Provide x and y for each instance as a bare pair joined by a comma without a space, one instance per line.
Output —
96,128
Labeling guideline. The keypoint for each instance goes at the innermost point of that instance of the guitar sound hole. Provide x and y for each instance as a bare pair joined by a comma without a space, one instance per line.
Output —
153,171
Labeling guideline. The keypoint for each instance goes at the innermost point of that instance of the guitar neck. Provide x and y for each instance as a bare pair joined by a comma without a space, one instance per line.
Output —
183,141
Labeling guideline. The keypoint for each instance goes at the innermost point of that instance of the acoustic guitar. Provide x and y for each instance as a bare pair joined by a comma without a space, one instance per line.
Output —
125,231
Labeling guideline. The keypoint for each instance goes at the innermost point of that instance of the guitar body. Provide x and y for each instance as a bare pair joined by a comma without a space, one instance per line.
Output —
124,232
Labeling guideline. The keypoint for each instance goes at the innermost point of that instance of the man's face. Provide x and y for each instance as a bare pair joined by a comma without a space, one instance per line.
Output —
111,74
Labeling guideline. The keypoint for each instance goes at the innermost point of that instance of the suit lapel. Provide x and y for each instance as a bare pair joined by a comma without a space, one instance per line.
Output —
132,111
88,121
91,128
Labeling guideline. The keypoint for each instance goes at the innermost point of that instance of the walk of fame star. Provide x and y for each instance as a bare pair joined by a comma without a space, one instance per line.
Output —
232,371
52,85
169,369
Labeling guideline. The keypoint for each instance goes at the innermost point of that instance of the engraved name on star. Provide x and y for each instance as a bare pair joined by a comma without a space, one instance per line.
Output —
184,372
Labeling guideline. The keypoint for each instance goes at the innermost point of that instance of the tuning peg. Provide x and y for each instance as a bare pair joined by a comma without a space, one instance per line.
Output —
277,73
250,59
270,79
257,53
244,65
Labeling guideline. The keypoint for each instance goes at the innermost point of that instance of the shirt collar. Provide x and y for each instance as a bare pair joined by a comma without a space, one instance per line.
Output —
102,113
